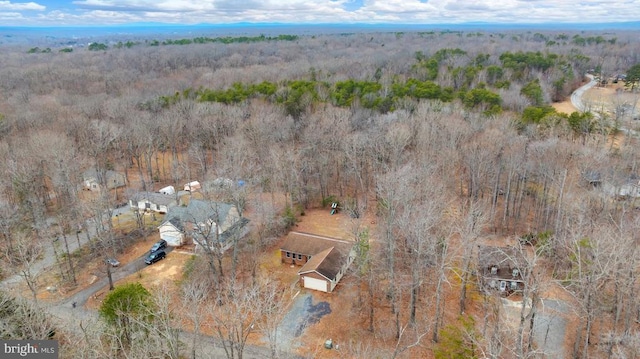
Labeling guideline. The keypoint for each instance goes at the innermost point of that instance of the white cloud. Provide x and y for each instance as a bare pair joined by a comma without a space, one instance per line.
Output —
145,5
10,15
20,6
335,11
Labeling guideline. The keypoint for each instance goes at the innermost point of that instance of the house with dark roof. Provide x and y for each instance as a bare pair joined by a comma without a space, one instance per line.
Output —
206,223
324,260
594,178
501,269
152,201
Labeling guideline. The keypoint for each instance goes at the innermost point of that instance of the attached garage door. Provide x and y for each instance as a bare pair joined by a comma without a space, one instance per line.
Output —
173,239
313,283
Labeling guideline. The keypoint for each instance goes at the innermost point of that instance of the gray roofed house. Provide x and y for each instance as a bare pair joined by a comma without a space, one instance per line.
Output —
594,178
152,201
207,223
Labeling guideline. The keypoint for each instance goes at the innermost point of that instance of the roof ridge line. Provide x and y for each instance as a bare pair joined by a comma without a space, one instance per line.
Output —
320,237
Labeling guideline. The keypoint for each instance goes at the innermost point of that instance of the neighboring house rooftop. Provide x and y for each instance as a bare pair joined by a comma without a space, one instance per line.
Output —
312,244
176,222
593,177
199,211
327,263
502,268
236,229
501,257
154,197
93,181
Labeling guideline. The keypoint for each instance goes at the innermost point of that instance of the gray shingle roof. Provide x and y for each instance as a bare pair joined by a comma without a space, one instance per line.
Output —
199,211
154,197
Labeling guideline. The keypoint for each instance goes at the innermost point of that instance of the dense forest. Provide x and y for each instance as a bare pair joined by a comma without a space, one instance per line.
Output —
447,138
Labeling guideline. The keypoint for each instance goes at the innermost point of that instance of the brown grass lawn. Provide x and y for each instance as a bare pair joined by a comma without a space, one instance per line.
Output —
564,107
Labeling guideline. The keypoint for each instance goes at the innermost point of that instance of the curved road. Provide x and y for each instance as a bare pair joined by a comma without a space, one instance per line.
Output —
576,96
576,101
67,315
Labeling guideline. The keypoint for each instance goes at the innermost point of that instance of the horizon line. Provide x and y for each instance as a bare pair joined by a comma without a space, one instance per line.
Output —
350,24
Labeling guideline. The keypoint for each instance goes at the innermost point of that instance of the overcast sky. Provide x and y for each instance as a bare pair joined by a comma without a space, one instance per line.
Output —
111,12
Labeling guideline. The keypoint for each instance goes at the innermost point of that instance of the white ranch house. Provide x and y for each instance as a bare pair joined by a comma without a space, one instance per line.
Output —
152,201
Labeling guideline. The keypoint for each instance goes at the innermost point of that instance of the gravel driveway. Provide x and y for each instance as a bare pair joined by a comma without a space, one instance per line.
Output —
302,314
549,329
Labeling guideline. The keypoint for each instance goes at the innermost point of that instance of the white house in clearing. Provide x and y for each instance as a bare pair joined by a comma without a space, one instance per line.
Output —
152,201
212,224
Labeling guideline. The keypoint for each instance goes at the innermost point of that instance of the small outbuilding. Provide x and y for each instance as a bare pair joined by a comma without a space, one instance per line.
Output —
192,186
167,190
593,178
324,260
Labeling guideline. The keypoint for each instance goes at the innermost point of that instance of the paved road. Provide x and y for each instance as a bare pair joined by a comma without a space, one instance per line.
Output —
68,315
576,101
65,313
576,96
53,245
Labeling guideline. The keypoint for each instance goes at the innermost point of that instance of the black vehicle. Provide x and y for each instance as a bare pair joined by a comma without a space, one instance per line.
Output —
154,257
161,244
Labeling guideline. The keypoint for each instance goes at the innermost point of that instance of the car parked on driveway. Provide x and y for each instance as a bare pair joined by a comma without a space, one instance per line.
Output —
161,244
154,257
112,262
